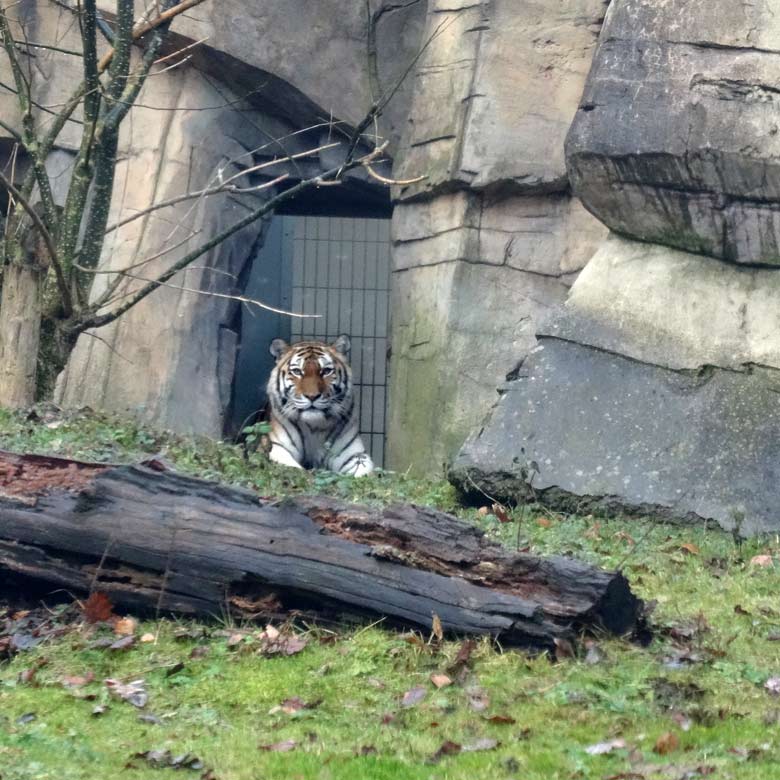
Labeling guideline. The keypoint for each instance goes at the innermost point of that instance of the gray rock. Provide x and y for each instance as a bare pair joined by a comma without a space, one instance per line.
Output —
472,278
489,242
495,93
610,433
674,309
677,139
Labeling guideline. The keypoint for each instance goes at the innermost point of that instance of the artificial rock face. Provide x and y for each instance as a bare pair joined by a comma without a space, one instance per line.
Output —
677,137
654,390
491,239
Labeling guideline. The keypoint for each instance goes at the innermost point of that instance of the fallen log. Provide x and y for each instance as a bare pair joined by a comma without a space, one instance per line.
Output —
162,541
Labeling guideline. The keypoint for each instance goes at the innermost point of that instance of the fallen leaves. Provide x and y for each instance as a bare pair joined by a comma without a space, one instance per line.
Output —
441,680
602,748
666,743
463,657
275,642
450,748
772,685
280,747
98,608
413,697
294,705
133,692
160,759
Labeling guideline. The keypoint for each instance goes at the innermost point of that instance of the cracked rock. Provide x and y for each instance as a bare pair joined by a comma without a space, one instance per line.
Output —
677,137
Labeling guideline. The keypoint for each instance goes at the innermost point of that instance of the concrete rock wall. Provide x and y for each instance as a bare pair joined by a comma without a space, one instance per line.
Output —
655,389
491,240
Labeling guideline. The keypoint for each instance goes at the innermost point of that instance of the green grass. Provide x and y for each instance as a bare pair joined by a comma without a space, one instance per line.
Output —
705,667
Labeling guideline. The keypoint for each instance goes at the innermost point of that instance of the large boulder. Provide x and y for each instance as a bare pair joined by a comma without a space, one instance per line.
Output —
676,140
654,391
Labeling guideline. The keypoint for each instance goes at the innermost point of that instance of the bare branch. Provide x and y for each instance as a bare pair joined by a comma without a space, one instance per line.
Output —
224,187
392,182
98,320
227,296
36,45
141,30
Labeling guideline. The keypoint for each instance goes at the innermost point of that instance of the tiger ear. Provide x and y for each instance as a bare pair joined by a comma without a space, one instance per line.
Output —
342,344
278,348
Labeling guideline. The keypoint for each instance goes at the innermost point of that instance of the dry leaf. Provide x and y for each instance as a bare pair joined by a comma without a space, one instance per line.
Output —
98,608
124,643
600,748
666,743
563,648
762,561
483,511
133,692
447,748
500,511
464,655
147,638
76,681
125,626
593,532
437,628
543,522
501,719
280,747
441,680
773,686
689,548
478,699
413,697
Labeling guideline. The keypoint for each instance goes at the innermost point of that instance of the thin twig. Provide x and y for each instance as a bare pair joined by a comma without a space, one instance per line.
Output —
227,296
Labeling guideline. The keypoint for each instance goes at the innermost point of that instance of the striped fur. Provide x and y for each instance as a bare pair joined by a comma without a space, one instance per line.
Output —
314,419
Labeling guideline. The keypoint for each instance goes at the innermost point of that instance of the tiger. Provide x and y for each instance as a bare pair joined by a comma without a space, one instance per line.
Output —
314,417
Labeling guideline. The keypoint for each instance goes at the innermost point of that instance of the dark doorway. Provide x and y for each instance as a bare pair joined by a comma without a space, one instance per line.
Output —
334,267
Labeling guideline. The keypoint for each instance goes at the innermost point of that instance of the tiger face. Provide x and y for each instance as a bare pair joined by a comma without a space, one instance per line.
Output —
311,380
314,419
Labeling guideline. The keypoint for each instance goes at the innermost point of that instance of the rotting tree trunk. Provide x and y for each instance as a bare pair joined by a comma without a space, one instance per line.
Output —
20,332
164,541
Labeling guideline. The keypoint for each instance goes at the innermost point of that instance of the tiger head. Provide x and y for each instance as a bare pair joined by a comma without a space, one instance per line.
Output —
311,381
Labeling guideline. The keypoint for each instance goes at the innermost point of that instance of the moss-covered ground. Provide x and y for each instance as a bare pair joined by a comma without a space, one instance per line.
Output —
697,701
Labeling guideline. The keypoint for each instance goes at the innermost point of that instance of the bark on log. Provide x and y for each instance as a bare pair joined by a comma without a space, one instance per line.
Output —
160,540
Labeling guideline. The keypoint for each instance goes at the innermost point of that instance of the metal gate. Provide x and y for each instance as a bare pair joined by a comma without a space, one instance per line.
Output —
339,269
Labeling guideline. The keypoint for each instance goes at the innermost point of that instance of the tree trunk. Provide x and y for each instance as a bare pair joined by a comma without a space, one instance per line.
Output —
164,541
20,331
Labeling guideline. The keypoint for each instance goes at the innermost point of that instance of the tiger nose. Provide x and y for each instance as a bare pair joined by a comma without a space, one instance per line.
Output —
312,396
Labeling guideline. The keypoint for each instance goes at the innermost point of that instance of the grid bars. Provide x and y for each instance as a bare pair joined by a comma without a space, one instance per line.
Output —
341,271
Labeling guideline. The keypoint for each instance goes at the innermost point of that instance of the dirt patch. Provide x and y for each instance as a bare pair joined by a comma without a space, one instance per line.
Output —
27,476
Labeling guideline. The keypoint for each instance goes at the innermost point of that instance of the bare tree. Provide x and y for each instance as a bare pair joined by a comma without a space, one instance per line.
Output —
50,255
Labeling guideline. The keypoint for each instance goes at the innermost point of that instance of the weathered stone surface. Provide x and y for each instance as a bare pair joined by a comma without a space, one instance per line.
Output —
676,139
610,433
307,63
491,240
673,309
170,358
653,390
495,93
458,328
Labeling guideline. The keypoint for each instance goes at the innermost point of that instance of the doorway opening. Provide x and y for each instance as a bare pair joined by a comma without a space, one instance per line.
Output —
337,267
